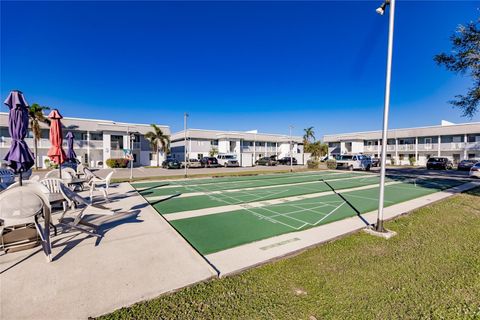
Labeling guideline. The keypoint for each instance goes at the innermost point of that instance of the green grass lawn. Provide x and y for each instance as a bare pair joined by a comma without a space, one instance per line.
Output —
430,270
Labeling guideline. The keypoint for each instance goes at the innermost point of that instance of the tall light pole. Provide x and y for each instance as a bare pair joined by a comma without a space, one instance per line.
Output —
381,10
132,139
185,116
290,127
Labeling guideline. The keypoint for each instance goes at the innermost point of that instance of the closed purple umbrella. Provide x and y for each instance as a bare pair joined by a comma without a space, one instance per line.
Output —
19,156
70,152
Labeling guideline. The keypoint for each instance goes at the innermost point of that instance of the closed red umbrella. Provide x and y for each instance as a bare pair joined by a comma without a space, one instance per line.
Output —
56,153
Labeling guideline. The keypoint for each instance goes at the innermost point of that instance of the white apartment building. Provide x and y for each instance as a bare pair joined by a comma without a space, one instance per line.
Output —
454,141
95,140
248,146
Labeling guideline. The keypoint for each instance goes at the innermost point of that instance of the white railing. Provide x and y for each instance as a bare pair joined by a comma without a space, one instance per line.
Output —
371,148
406,147
452,146
5,142
472,146
390,147
427,147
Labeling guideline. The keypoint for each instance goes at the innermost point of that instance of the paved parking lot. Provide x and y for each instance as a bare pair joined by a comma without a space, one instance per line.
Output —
424,172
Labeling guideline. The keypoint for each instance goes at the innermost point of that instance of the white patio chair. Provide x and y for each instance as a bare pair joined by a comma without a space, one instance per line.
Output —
28,183
66,176
80,168
26,205
89,175
87,209
7,177
100,185
70,171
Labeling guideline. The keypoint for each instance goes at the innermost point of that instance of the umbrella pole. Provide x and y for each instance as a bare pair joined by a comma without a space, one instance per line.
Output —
20,177
59,167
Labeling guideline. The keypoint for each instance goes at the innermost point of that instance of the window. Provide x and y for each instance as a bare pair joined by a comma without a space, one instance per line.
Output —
401,157
214,142
471,156
96,136
200,156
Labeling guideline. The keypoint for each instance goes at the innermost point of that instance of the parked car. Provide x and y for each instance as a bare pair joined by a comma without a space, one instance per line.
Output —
439,163
266,161
192,163
354,162
228,160
171,163
475,170
286,160
209,162
375,162
465,165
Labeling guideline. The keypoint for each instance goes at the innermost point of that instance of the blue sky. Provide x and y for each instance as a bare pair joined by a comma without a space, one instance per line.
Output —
234,65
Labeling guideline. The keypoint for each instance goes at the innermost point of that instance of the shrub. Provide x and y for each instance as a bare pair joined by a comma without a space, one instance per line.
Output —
412,161
332,164
313,164
117,163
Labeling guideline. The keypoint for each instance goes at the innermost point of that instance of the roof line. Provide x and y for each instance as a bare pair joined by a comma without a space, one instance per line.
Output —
105,121
423,127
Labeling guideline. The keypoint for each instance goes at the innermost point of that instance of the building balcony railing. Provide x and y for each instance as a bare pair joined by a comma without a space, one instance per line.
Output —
371,148
406,147
452,146
43,143
472,146
427,147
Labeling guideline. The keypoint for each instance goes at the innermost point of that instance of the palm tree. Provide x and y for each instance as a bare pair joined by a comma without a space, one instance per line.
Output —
158,140
309,134
35,114
318,149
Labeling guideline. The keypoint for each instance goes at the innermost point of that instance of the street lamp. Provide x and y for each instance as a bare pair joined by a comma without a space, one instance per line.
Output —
291,152
132,139
381,10
185,116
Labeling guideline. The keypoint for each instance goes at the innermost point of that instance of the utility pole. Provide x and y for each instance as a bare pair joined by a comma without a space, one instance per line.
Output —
185,116
291,151
379,226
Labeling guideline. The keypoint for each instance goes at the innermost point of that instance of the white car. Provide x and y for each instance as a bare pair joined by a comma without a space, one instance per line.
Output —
475,170
354,162
228,160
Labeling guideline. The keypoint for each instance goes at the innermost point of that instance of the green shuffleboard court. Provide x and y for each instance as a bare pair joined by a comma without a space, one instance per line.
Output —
222,213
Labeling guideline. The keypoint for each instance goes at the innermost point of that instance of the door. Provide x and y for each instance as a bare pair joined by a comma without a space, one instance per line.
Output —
428,143
456,158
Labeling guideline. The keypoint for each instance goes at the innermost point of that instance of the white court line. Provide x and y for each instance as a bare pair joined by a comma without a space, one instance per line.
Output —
305,223
209,192
367,198
242,181
273,202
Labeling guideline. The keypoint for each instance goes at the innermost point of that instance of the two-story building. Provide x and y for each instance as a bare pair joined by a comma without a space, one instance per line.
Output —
454,141
247,146
95,140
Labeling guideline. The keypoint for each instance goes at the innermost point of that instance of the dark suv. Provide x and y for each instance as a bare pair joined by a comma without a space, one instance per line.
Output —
209,162
286,160
266,161
171,163
439,163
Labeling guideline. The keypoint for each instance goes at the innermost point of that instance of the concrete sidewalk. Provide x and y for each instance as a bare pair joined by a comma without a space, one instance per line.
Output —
140,257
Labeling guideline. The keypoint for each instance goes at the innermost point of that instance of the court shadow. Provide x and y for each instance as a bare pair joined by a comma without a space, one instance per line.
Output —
165,199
